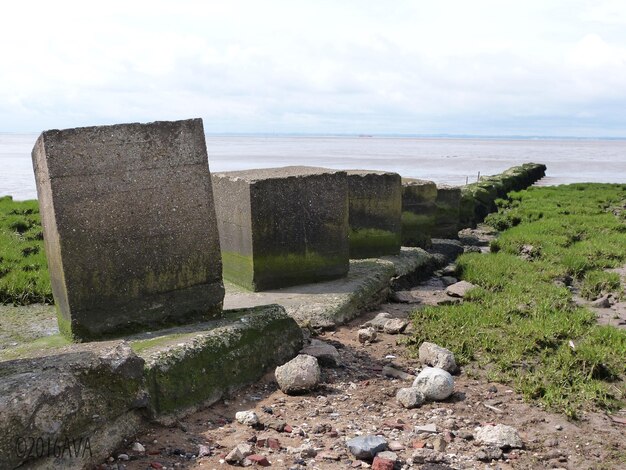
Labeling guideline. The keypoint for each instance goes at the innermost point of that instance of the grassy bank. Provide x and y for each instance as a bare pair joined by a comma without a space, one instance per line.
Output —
24,275
520,325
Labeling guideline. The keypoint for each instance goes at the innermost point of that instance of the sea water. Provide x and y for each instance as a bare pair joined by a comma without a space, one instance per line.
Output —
443,160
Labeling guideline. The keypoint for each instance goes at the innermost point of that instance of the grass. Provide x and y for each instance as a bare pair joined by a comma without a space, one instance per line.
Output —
24,277
520,325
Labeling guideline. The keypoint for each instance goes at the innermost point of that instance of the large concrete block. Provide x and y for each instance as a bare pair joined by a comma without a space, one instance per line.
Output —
447,212
129,226
375,210
418,211
282,226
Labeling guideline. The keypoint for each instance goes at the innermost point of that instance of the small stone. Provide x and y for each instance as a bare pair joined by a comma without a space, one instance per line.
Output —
366,447
248,418
382,464
502,436
435,383
123,457
378,322
410,397
430,428
259,460
433,355
449,280
424,455
203,451
156,465
240,452
459,289
396,446
465,435
387,455
602,302
395,326
301,374
558,427
439,444
328,455
489,453
137,447
326,354
366,335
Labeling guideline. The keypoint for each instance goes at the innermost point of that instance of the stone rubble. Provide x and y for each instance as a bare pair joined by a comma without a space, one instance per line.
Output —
298,375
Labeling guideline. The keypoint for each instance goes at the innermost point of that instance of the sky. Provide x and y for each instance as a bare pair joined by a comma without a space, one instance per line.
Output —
480,67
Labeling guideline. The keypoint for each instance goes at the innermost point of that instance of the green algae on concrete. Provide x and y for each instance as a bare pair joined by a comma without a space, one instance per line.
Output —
375,206
188,367
417,229
418,211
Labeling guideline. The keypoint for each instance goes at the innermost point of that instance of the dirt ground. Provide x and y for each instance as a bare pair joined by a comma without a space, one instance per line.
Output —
309,431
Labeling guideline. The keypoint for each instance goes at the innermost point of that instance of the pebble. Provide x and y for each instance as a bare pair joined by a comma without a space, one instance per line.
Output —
500,435
459,289
366,335
301,374
433,355
435,383
248,418
410,397
137,447
366,447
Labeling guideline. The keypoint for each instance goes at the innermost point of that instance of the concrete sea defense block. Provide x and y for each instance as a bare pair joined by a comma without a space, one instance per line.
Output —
282,226
375,213
418,211
129,226
447,212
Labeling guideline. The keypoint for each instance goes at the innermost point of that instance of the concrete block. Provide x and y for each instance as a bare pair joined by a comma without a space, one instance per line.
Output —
374,213
447,212
129,227
282,226
418,211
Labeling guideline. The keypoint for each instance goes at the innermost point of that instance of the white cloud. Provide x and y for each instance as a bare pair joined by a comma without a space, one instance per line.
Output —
488,66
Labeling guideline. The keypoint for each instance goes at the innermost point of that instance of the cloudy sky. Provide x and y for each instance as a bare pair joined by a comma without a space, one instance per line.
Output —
487,67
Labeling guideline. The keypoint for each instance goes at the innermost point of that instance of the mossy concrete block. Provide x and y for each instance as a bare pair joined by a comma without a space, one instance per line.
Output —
129,225
331,303
187,367
375,206
282,226
418,211
448,204
72,408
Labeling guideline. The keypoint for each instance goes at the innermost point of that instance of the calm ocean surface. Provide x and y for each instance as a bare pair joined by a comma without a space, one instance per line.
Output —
439,159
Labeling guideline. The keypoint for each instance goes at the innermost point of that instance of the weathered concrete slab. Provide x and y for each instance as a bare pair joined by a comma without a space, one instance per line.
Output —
331,303
70,408
374,214
282,226
418,211
447,212
129,225
194,366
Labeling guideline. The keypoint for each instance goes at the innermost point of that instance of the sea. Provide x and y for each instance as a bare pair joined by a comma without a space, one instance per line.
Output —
454,161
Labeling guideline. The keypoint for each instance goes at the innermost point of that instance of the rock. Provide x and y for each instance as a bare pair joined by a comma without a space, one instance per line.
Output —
405,297
602,302
426,428
260,460
439,444
378,322
382,464
502,436
137,447
489,453
385,454
389,371
424,455
459,289
396,446
449,280
395,326
366,334
433,355
123,457
366,447
435,383
298,375
326,354
410,397
248,418
240,452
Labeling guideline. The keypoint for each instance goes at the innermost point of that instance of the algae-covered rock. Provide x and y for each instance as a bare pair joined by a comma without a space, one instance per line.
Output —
71,408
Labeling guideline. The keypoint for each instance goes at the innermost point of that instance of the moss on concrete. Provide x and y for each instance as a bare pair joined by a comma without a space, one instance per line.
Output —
372,243
417,229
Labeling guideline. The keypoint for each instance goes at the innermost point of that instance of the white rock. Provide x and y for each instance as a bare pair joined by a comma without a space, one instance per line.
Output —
300,374
240,452
378,322
435,383
459,289
123,457
502,436
137,447
410,397
395,326
249,418
366,334
433,355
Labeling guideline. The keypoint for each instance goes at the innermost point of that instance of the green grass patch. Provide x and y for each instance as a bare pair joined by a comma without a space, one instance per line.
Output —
24,277
520,324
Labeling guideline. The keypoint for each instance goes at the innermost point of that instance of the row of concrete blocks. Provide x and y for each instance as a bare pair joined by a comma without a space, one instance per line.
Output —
136,229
